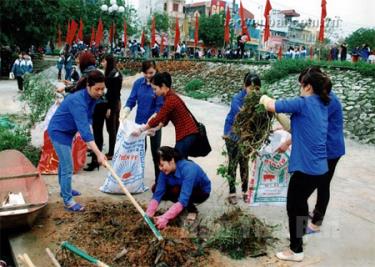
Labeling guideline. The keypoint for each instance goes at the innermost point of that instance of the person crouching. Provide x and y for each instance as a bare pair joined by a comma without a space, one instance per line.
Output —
180,181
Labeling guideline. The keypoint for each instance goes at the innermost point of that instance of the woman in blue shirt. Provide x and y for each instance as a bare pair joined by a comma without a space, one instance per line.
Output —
180,181
308,160
148,103
251,82
335,150
75,115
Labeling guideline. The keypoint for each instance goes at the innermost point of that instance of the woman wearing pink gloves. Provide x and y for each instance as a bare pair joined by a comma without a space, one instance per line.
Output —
180,181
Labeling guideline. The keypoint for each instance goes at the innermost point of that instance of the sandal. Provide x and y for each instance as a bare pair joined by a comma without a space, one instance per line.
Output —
310,230
75,208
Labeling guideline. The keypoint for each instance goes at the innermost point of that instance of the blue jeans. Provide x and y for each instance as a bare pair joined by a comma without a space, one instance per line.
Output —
65,172
184,145
68,73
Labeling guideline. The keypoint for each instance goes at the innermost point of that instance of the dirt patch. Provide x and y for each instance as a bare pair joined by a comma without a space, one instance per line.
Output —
107,228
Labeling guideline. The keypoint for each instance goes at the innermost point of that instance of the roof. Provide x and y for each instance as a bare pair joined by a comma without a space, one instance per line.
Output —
248,14
290,13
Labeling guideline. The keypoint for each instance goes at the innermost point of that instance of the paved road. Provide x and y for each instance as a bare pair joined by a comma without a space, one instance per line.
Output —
347,235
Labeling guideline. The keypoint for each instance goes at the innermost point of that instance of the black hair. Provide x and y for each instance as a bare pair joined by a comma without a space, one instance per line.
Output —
319,81
161,78
167,153
111,64
148,64
91,79
251,78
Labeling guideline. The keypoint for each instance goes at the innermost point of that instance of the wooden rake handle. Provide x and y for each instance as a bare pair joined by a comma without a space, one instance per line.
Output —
134,202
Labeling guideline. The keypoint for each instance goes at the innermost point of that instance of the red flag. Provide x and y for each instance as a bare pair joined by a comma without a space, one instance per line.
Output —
92,39
266,15
110,36
114,32
311,53
162,44
153,32
243,22
99,33
196,33
177,34
322,19
80,31
67,32
59,42
280,53
226,29
73,29
143,39
125,34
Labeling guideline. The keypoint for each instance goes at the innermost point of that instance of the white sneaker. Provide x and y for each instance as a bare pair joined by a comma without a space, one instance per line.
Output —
289,255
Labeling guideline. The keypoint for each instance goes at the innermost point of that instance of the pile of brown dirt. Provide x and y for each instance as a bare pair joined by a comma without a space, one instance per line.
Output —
106,228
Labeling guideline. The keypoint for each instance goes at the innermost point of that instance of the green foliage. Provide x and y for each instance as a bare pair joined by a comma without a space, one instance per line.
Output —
211,30
19,139
240,235
282,68
36,21
39,94
360,37
161,22
194,85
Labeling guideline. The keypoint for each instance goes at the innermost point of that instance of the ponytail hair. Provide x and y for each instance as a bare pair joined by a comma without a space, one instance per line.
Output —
319,81
91,79
162,78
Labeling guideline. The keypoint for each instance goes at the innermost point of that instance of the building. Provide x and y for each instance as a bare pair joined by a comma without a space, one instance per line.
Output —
286,32
174,8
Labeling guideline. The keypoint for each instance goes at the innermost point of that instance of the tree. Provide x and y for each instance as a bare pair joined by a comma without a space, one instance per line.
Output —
161,22
36,21
360,37
211,30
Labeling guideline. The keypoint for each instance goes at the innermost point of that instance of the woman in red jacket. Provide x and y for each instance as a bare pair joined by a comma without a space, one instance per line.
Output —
174,110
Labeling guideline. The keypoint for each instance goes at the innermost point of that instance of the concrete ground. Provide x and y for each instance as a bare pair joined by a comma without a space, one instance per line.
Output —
349,228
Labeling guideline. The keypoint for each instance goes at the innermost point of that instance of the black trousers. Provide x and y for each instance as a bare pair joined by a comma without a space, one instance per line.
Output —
98,125
324,193
235,157
301,186
112,124
197,196
20,83
155,144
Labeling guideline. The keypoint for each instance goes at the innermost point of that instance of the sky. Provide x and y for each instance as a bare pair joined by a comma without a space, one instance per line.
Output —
353,14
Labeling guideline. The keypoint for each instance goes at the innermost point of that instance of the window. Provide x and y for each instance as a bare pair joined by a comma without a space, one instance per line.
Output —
165,6
175,7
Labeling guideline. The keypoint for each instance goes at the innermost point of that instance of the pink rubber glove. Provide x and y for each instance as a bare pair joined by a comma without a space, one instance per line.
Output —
162,221
152,207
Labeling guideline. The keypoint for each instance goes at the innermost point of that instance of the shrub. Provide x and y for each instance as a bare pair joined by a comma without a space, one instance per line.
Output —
39,94
194,85
19,139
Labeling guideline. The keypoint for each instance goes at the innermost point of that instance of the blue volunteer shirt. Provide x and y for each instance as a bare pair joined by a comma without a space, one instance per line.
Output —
335,137
74,114
236,104
188,175
309,125
144,96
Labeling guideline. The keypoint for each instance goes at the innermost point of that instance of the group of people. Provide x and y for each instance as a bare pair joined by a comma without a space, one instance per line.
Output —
317,141
317,144
22,65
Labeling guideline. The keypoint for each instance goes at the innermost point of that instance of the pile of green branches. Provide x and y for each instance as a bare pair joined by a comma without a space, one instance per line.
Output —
252,125
241,235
